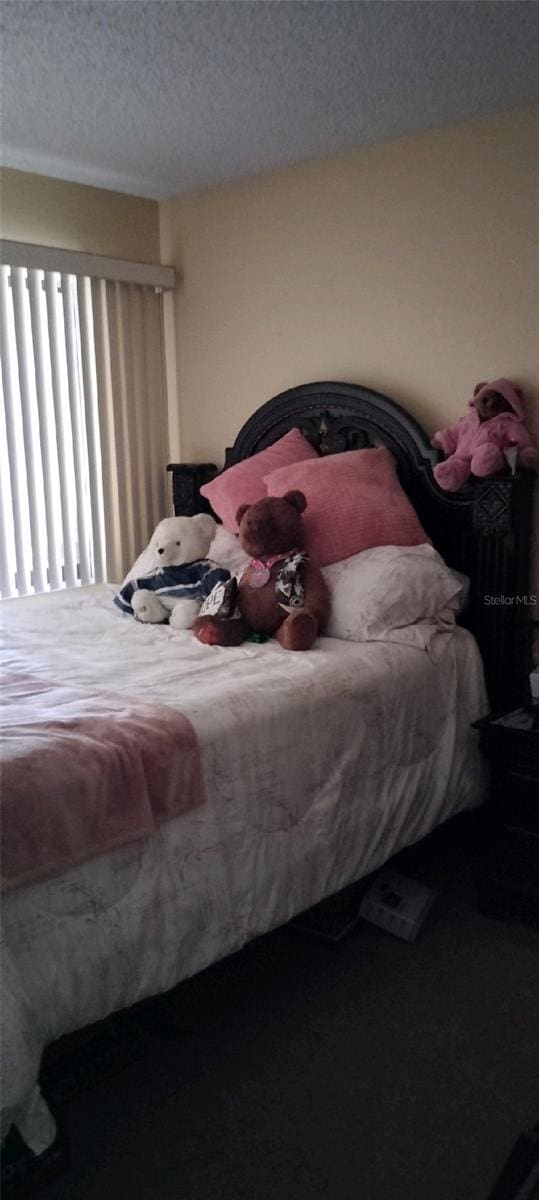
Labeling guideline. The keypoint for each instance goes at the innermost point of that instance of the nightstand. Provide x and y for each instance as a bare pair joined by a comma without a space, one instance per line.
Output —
509,871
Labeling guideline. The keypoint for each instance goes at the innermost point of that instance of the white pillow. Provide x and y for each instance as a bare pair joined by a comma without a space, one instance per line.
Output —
402,594
226,551
464,599
143,565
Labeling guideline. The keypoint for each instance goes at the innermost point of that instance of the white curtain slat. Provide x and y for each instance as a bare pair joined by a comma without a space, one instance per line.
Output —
16,466
147,297
78,431
7,578
162,440
150,484
49,460
114,550
161,399
129,421
155,398
30,433
92,426
140,413
63,433
121,422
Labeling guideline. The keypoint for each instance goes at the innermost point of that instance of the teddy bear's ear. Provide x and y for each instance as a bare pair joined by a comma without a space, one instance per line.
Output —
206,524
297,500
241,512
478,387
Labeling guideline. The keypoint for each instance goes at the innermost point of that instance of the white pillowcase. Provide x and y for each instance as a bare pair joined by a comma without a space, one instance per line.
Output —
143,565
403,594
226,551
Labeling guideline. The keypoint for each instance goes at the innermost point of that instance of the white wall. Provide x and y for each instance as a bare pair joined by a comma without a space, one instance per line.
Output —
409,266
50,212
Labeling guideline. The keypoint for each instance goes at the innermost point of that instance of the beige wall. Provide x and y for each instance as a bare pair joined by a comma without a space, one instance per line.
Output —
409,266
49,212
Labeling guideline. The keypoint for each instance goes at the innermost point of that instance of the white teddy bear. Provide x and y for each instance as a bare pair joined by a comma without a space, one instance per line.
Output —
173,576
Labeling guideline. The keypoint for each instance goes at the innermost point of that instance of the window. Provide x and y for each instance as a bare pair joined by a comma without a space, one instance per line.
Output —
82,419
50,452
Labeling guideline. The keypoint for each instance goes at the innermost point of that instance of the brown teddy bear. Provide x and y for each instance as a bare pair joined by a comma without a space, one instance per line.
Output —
280,591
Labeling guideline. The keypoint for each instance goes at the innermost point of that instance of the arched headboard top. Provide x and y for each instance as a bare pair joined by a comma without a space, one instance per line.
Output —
335,417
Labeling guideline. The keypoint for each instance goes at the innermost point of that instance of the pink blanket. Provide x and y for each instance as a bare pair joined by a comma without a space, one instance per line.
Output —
84,771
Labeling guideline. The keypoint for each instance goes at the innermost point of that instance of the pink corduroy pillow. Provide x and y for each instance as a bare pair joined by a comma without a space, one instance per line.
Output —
244,483
354,502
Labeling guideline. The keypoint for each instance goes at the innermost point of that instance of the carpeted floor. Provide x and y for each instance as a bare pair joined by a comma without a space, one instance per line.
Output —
375,1070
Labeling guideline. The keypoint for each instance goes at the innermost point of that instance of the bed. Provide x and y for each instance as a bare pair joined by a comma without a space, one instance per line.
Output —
317,767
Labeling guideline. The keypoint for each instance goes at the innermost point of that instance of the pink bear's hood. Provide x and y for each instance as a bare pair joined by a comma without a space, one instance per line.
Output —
507,390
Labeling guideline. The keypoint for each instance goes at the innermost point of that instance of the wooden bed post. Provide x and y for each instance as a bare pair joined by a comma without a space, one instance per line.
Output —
503,607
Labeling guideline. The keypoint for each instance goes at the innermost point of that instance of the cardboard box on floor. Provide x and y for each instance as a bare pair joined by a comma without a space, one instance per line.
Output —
397,904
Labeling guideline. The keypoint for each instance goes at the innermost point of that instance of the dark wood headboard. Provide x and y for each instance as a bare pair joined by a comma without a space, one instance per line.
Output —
484,530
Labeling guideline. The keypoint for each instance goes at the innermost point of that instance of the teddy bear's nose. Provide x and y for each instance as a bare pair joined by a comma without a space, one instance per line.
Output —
161,550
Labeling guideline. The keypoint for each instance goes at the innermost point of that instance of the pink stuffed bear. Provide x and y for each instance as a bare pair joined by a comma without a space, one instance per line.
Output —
475,445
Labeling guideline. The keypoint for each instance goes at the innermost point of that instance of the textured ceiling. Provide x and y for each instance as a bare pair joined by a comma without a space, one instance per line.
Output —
158,98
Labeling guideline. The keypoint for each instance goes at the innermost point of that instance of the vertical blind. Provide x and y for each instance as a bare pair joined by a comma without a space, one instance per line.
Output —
82,427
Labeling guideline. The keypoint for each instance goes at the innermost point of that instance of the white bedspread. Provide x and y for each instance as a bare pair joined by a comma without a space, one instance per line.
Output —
317,768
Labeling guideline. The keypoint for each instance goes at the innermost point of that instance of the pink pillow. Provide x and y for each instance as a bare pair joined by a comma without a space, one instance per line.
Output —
354,502
244,483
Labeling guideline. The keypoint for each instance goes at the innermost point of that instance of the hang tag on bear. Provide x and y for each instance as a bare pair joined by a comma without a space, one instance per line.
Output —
260,577
222,600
